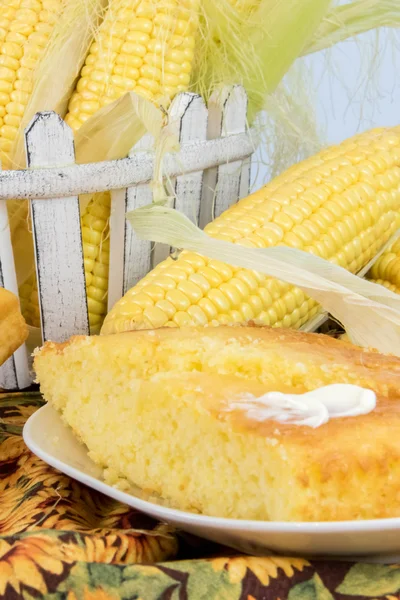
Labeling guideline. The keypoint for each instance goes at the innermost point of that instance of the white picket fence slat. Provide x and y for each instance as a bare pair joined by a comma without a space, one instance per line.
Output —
225,184
88,178
57,236
188,117
189,114
14,373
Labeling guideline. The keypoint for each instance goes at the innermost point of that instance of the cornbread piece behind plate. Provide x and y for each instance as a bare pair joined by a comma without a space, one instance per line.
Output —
153,407
13,329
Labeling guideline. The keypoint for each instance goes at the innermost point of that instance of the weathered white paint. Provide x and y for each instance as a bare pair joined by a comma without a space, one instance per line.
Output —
57,235
225,184
14,373
117,236
190,112
137,253
55,181
130,257
188,119
66,181
8,375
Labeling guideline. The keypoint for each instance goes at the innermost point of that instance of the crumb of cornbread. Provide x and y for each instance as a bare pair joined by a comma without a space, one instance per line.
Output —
150,408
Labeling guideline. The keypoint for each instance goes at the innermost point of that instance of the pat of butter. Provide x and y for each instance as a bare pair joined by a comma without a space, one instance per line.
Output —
312,408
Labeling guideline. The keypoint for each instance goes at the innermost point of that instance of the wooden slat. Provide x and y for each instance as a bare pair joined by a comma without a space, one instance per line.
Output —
190,112
57,235
14,373
188,118
137,254
225,184
130,257
65,181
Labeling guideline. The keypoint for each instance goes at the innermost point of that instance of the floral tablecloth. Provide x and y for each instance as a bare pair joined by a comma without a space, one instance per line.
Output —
60,539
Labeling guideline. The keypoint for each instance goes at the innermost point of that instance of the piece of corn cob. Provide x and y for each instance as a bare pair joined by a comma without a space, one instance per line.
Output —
145,46
25,28
342,204
96,252
386,270
31,31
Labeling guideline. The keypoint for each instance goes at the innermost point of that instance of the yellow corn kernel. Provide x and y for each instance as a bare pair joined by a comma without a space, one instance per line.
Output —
156,316
8,132
94,306
197,315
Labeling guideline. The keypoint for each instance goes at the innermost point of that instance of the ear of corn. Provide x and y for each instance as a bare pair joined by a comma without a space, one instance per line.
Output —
141,46
42,47
36,37
146,47
386,270
342,205
25,27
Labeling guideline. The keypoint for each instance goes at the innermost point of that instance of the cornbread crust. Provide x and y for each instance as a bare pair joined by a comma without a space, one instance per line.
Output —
13,329
152,406
382,370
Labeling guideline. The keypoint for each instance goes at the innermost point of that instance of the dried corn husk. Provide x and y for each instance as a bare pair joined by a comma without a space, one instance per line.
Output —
370,313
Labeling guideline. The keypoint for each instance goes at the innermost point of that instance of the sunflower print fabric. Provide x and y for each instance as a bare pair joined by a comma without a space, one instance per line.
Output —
62,540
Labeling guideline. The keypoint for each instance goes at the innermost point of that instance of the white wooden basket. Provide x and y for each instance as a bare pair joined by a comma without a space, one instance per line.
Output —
210,172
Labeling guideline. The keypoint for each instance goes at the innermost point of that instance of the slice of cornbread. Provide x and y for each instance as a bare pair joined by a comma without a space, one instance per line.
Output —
152,407
13,329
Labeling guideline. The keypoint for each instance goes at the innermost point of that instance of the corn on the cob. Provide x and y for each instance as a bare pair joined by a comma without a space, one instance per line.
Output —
343,205
96,253
386,270
25,28
13,329
145,46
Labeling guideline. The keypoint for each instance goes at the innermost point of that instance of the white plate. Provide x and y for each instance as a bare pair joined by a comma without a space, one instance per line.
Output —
377,540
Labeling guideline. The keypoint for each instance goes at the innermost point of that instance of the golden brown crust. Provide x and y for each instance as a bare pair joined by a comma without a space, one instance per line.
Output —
59,347
384,369
216,391
333,456
270,334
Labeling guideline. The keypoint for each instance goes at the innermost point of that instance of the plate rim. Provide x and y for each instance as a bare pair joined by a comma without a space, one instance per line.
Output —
222,523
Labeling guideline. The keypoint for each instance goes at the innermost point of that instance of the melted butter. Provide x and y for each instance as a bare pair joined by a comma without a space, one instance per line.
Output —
312,409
